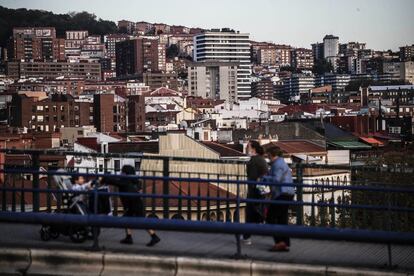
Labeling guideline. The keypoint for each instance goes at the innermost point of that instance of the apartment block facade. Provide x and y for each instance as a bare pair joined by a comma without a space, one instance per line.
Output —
231,46
213,80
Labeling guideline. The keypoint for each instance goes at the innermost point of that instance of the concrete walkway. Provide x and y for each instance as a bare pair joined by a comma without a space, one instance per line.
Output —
322,254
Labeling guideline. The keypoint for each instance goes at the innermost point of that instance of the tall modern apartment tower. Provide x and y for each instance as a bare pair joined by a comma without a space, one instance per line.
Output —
331,49
229,46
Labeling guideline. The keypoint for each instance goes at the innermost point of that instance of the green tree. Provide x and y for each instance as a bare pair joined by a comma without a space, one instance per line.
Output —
172,51
10,18
322,66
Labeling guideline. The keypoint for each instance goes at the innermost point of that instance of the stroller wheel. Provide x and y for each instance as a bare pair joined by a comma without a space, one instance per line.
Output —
45,234
78,234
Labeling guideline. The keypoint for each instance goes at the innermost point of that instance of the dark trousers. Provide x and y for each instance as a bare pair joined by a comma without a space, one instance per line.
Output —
254,212
278,214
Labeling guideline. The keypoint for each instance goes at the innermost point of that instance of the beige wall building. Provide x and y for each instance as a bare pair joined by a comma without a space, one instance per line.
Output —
178,144
267,56
213,80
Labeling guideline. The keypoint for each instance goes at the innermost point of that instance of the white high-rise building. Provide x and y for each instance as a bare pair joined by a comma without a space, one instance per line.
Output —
330,46
331,49
231,46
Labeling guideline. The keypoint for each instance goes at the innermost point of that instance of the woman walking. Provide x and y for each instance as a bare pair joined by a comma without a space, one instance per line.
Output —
256,168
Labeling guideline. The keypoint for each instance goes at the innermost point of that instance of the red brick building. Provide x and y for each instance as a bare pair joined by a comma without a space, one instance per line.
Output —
109,113
136,113
39,44
137,56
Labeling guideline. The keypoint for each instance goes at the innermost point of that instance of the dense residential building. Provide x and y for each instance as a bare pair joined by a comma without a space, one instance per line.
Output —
283,54
227,45
213,80
354,58
337,81
84,70
317,95
72,86
92,48
407,53
270,54
331,49
302,58
263,89
39,44
137,56
109,112
267,55
317,51
296,85
126,26
136,113
156,80
73,43
36,111
389,94
403,70
351,48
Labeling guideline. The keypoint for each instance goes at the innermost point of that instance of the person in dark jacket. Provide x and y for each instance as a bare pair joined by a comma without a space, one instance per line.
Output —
133,206
256,168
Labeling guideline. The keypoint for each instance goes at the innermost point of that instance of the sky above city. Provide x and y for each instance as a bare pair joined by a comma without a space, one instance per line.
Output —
382,24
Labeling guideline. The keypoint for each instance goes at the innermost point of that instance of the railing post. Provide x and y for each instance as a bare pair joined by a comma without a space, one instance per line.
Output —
95,230
237,220
299,193
165,186
36,167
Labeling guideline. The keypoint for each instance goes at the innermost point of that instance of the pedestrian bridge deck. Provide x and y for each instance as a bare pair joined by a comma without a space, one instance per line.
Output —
223,246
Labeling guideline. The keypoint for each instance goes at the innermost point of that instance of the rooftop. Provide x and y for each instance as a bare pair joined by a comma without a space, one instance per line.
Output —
223,149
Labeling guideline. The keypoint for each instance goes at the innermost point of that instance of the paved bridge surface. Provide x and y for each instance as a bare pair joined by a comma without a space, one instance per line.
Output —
223,246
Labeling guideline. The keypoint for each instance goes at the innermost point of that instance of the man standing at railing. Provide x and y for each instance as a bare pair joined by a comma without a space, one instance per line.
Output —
279,174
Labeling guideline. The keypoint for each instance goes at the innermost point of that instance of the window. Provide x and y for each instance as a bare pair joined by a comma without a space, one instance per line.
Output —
40,108
394,130
117,165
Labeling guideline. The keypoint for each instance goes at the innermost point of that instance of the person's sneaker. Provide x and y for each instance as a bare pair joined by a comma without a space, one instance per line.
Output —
127,240
154,240
247,241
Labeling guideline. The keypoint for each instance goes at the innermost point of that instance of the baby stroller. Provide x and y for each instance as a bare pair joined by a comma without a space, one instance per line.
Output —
73,204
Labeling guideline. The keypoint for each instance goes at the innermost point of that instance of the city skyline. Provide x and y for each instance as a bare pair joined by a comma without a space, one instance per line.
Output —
379,19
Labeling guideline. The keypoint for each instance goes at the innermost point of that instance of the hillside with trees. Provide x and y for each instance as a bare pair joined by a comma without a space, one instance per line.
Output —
10,18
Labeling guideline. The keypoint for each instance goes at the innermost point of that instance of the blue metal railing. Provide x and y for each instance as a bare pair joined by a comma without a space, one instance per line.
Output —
225,202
